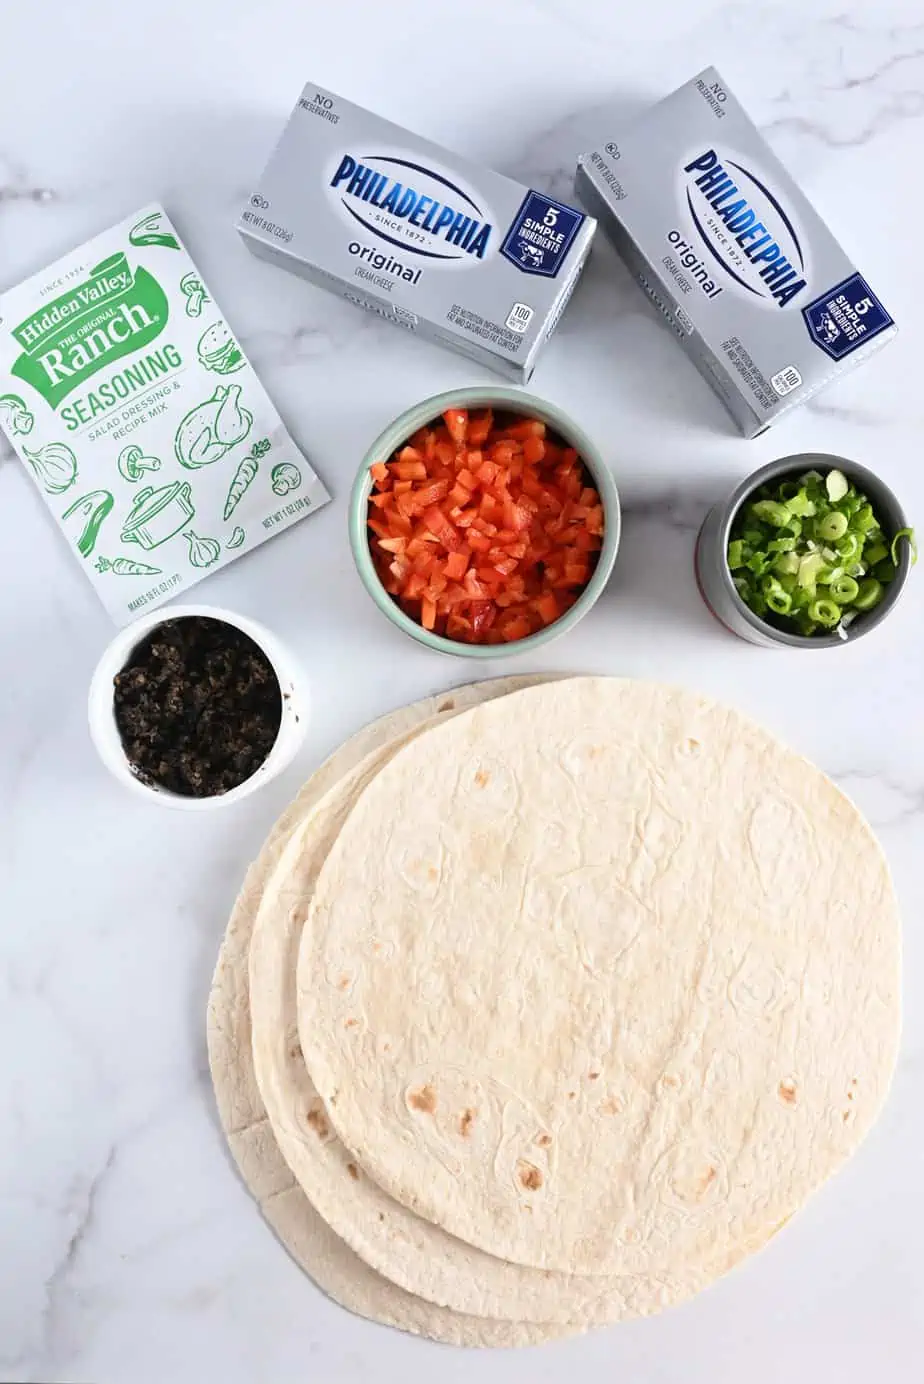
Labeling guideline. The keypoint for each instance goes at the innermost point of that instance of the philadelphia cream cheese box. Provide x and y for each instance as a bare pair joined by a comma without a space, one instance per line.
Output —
727,247
405,229
140,419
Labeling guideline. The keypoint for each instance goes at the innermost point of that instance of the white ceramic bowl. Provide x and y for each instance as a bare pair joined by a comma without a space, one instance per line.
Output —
105,734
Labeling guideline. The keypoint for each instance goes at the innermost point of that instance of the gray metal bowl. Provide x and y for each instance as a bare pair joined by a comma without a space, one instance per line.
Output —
715,580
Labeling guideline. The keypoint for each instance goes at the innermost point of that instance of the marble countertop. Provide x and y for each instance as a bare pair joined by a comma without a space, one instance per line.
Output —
129,1252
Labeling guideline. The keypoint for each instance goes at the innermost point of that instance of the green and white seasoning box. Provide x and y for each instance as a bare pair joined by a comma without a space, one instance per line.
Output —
141,420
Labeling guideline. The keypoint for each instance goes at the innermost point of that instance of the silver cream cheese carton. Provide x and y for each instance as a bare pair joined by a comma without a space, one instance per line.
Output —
139,417
403,228
727,247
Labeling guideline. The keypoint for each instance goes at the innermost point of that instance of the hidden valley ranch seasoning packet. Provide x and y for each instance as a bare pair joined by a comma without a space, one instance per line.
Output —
143,424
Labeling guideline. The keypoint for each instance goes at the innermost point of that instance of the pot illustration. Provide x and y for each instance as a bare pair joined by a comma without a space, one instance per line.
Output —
158,514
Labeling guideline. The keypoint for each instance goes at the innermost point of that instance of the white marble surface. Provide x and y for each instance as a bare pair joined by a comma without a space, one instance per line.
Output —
128,1249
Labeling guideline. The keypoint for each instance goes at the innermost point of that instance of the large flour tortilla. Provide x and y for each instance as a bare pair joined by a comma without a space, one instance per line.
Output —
413,1252
307,1237
601,978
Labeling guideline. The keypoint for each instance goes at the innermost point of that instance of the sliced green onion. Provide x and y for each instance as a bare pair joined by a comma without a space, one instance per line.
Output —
875,553
780,602
771,512
825,612
787,564
843,590
801,505
912,543
809,568
831,526
849,546
869,594
837,485
809,552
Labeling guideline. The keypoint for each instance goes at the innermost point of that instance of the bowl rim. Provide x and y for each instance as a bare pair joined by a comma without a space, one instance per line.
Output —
104,731
514,401
796,462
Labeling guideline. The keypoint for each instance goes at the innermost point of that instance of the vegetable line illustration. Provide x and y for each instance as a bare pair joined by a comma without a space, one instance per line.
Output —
244,475
148,231
212,428
15,418
237,537
193,290
55,466
203,552
133,464
126,567
89,512
285,478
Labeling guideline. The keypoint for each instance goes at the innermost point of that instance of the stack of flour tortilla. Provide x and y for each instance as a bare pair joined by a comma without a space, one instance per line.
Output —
549,1001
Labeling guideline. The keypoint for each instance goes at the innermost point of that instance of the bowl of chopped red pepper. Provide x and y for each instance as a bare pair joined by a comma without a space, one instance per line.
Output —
484,522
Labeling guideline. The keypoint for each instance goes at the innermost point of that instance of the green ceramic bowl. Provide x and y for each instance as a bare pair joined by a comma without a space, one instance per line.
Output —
510,401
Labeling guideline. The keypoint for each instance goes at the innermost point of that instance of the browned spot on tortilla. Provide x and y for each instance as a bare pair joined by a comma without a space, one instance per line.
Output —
850,1095
529,1175
593,1076
381,1215
543,1140
424,1099
572,1095
376,947
343,982
295,1050
482,778
318,1121
707,1179
846,1115
787,1091
595,751
672,1081
353,1171
611,1106
432,872
465,1122
447,705
350,1023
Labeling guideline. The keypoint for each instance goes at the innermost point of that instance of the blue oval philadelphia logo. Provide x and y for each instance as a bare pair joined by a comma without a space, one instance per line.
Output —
413,207
744,229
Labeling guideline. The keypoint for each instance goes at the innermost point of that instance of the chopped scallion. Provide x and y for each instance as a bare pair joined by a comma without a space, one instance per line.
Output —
809,553
844,590
908,535
837,485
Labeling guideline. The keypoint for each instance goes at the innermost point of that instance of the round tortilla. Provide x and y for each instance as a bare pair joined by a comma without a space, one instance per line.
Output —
601,978
309,1239
406,1248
